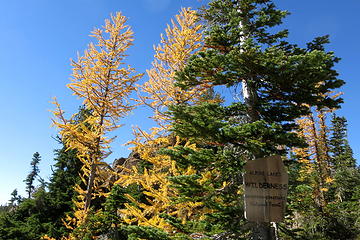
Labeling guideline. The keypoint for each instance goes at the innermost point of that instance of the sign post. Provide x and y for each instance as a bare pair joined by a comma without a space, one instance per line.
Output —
266,186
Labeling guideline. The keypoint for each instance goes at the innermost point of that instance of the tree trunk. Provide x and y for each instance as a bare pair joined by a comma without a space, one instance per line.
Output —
261,231
250,99
90,187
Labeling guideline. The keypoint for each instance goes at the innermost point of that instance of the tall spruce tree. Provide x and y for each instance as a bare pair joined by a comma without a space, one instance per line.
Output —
279,82
344,208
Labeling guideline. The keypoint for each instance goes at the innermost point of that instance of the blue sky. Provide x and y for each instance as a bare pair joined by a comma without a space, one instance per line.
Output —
39,37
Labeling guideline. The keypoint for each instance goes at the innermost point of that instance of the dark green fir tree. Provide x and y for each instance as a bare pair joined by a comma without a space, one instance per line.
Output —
342,154
343,209
278,82
15,198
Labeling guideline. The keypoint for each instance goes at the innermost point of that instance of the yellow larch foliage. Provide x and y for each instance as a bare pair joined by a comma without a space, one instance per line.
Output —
98,76
305,155
315,159
182,39
104,84
157,187
46,237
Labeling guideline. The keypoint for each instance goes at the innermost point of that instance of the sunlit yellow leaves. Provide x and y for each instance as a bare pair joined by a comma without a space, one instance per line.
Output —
329,180
315,168
104,84
324,189
46,237
205,177
155,185
182,39
98,76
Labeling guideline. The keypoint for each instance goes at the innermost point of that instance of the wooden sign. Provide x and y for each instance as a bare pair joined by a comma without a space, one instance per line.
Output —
266,186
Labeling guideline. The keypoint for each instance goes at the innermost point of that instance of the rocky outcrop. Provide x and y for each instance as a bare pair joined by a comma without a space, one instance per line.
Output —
124,165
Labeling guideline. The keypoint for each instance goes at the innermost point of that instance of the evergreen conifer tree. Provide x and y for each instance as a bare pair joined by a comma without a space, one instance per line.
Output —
30,179
15,198
342,154
279,82
61,191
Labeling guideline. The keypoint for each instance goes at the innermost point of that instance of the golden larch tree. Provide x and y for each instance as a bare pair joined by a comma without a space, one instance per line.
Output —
104,84
182,39
315,159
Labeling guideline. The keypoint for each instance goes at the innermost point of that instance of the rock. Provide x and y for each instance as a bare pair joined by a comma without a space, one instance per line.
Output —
124,165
